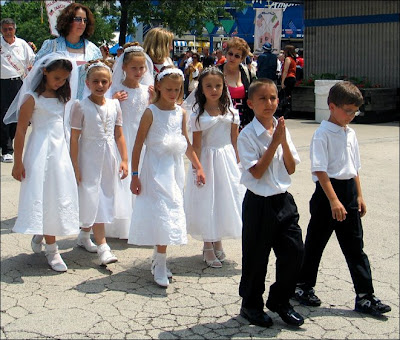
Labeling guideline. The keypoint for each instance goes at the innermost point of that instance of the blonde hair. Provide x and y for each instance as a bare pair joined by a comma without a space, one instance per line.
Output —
174,76
157,43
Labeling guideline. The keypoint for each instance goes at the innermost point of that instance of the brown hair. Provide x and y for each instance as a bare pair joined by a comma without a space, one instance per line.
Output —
156,44
200,98
256,84
290,51
239,44
64,92
89,72
65,19
172,76
128,56
345,93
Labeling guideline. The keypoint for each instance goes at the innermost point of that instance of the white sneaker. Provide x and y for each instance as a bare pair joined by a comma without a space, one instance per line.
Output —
159,268
169,273
54,258
105,254
84,241
7,158
37,243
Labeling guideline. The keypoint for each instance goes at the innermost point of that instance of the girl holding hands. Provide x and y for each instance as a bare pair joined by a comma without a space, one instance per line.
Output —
96,140
159,217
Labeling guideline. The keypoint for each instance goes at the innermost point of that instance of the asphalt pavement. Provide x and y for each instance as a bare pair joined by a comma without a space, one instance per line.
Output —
122,301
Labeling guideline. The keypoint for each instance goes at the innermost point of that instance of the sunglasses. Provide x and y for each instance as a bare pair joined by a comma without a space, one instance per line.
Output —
237,56
80,19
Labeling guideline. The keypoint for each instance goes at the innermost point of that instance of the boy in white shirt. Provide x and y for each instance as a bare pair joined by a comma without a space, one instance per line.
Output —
337,203
270,217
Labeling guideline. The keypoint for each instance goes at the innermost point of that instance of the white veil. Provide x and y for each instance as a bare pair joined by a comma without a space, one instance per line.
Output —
119,75
32,81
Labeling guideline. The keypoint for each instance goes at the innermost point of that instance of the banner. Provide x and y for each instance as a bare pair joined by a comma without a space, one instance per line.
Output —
53,9
268,28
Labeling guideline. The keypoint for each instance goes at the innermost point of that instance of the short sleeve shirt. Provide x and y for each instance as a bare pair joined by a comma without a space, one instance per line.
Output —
15,58
334,150
253,141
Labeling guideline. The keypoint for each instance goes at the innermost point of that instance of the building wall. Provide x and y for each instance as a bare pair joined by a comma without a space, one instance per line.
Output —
353,38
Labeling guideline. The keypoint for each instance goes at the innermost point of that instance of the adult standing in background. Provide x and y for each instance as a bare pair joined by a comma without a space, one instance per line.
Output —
75,24
238,77
208,60
288,78
16,60
158,45
267,63
220,57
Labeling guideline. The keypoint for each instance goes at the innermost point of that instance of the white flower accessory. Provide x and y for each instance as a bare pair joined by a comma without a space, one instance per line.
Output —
162,74
98,64
133,49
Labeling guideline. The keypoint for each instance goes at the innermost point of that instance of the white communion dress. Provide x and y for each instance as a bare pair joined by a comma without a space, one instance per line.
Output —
100,198
132,111
214,211
48,201
158,217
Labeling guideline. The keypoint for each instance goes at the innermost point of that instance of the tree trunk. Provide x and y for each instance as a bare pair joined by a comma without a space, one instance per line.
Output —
123,22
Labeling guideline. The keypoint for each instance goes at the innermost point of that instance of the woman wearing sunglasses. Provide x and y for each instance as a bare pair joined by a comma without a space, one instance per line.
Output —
238,77
75,25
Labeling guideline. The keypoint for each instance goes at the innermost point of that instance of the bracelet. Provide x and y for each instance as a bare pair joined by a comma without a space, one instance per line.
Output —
135,173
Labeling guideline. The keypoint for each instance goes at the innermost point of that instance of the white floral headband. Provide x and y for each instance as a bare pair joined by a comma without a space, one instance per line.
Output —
98,64
168,71
133,49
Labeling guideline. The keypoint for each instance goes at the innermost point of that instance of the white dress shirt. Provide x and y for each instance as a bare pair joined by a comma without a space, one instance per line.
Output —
334,150
253,141
15,58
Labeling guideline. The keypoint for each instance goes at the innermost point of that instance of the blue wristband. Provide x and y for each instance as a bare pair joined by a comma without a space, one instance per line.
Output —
135,173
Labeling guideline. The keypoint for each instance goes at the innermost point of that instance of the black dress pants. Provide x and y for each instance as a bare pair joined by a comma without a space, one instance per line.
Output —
269,223
9,89
348,232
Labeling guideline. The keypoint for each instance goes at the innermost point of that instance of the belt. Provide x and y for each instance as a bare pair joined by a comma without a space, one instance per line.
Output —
16,78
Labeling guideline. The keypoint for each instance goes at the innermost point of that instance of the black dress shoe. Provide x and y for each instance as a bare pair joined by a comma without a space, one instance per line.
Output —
256,317
287,314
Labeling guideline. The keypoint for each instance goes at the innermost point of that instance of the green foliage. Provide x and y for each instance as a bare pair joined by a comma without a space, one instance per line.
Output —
179,16
28,20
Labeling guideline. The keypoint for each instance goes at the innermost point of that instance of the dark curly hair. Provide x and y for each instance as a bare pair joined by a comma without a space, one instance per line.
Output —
65,19
64,92
200,98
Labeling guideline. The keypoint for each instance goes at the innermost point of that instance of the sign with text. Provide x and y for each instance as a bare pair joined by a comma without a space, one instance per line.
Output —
53,9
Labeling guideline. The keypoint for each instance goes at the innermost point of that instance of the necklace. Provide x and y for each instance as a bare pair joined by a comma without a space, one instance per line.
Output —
104,121
76,46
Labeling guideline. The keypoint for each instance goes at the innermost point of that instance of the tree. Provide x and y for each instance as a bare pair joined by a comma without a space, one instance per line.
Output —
30,27
178,15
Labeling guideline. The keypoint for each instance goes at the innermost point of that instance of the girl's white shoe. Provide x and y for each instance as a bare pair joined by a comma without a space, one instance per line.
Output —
105,254
37,243
159,270
169,273
54,258
84,241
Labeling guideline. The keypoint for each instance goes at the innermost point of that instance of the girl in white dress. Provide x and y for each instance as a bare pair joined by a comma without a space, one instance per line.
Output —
48,198
158,217
214,211
96,139
133,85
